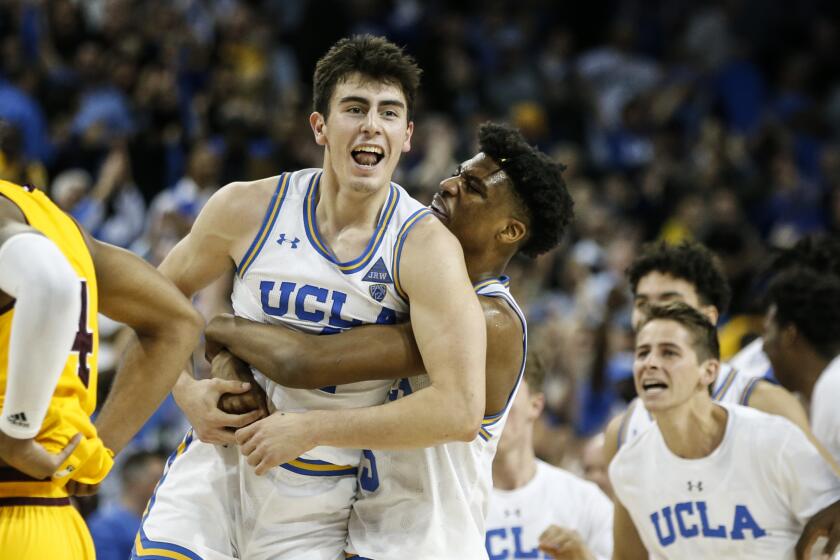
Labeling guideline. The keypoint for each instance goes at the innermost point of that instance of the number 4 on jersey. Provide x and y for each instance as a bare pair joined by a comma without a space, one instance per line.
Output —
83,344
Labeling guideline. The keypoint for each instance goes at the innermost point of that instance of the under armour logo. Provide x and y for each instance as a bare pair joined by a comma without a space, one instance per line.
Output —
516,512
695,486
282,239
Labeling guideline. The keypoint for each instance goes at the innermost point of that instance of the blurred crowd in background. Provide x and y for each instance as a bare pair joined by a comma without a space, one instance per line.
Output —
717,121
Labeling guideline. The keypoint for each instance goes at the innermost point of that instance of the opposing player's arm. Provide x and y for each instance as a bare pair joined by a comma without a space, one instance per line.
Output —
309,361
773,399
166,328
35,275
627,545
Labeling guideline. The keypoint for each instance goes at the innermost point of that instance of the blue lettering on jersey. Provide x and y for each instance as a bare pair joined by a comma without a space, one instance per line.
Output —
378,273
498,545
310,303
368,475
742,520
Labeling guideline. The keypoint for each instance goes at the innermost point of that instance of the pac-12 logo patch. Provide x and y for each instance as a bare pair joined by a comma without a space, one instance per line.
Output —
378,291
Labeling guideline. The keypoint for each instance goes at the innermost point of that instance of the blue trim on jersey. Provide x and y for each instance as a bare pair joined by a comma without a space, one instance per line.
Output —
314,236
141,541
314,467
398,247
492,419
727,383
271,214
149,549
747,393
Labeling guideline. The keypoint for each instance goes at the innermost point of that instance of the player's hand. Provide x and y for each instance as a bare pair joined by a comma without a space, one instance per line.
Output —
564,544
199,400
31,458
825,523
227,366
275,440
75,488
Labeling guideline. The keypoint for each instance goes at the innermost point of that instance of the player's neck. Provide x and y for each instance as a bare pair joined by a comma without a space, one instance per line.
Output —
338,208
694,429
484,265
514,468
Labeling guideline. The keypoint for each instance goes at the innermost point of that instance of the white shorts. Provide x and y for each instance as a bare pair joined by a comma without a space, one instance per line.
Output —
210,505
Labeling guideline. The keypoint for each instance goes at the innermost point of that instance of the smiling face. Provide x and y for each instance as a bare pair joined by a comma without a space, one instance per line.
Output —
658,288
479,206
666,370
365,133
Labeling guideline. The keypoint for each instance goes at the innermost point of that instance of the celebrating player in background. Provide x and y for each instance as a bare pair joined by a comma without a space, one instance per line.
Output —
429,502
689,273
708,480
321,251
535,506
54,280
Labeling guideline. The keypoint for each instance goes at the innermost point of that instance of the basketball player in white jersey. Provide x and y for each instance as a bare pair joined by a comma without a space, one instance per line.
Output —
535,507
708,480
323,250
690,273
429,503
802,339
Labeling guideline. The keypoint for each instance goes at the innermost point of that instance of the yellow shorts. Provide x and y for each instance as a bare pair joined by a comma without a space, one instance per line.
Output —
53,531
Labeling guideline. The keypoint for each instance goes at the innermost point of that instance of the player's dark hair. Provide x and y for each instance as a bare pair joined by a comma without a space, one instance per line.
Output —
689,261
375,58
810,301
820,252
537,182
703,333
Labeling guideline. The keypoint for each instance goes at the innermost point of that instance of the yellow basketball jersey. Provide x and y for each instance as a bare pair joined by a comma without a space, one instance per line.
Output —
74,399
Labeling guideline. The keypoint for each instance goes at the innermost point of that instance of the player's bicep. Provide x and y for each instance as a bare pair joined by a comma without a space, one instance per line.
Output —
132,292
446,317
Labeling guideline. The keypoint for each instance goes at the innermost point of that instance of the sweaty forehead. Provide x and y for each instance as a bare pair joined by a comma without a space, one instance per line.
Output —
485,168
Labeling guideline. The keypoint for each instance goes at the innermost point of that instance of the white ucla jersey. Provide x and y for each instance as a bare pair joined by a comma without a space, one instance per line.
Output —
517,518
731,386
290,277
825,414
430,503
748,499
752,362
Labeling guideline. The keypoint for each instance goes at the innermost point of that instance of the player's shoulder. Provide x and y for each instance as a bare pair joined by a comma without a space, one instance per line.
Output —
499,314
759,430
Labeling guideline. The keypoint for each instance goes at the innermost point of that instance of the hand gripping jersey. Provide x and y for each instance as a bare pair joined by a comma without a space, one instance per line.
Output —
517,518
432,502
210,502
731,386
74,399
748,499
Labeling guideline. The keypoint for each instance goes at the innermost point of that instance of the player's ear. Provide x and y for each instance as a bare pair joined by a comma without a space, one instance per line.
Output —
709,371
319,128
513,232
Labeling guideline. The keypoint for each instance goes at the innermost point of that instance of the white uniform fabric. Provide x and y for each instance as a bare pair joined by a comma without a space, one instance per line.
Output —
430,503
749,499
825,414
289,277
731,386
517,518
751,360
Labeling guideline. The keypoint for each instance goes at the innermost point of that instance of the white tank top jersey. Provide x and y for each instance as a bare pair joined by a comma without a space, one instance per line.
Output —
289,277
751,360
749,499
825,414
517,518
731,386
431,503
